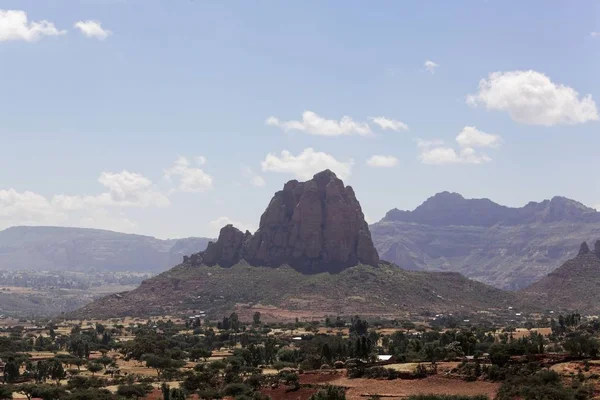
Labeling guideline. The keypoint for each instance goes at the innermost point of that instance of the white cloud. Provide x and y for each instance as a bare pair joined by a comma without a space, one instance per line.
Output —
306,164
125,189
92,29
434,151
14,25
470,136
386,123
447,155
216,225
382,161
314,124
531,98
201,160
191,179
255,179
595,34
430,66
23,208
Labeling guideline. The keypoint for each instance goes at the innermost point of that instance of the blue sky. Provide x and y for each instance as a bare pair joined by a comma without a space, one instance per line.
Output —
151,116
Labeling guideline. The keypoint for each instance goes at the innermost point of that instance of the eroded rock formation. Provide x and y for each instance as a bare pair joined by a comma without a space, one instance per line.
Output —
313,226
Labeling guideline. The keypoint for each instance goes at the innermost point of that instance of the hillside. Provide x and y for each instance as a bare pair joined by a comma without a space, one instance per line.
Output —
575,285
502,246
80,249
312,253
363,289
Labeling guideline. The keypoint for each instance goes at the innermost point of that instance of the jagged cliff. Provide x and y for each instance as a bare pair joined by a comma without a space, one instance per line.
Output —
313,226
574,285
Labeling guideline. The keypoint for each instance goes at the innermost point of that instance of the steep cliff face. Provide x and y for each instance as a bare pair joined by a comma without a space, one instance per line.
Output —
313,226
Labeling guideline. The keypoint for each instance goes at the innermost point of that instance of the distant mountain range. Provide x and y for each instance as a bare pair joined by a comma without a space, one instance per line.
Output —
80,249
502,246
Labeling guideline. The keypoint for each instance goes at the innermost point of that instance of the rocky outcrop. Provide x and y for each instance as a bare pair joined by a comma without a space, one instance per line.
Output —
597,248
584,249
313,226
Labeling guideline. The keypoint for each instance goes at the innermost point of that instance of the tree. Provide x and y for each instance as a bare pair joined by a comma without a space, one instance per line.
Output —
256,318
330,393
134,391
6,392
57,372
45,392
94,367
326,353
11,371
161,363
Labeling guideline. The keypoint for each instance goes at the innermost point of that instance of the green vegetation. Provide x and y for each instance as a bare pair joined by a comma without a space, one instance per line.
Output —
81,360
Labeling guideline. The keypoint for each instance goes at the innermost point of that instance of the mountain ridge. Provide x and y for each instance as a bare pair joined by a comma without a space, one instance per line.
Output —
507,247
79,249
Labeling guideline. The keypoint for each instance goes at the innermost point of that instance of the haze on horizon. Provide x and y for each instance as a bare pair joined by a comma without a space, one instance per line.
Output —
173,118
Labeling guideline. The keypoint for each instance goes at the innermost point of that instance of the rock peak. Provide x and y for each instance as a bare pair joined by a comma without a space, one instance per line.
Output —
584,249
313,226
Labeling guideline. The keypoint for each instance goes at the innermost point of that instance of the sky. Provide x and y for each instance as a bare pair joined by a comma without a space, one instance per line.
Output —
172,118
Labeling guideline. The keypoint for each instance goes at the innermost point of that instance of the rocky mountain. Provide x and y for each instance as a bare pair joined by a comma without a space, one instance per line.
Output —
80,249
502,246
575,285
313,226
311,255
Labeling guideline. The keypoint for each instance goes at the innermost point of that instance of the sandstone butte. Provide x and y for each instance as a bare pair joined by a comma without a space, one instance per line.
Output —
313,226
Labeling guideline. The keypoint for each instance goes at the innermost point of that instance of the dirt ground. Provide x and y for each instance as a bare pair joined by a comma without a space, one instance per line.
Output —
399,388
281,393
410,367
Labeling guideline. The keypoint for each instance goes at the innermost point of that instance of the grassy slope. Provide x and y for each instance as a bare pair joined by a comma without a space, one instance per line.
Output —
573,286
386,289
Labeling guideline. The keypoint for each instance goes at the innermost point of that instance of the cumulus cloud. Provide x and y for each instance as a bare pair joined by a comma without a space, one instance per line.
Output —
430,66
595,34
314,124
201,160
92,29
14,25
254,179
23,208
191,179
123,190
531,98
448,155
469,138
306,164
382,161
387,123
216,225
